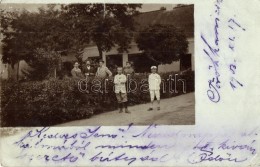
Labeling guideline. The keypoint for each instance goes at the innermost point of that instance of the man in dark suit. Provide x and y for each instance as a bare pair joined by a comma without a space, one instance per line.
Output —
88,70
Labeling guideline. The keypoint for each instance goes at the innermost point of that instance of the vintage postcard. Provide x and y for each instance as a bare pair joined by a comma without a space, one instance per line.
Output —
133,83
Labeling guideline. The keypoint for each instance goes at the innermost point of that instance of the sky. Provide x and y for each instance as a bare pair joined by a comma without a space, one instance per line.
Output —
34,7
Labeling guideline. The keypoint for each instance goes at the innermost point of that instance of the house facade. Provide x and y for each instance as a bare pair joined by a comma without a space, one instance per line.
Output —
181,17
3,67
11,72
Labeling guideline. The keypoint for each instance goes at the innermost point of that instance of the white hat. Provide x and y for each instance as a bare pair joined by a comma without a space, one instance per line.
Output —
153,67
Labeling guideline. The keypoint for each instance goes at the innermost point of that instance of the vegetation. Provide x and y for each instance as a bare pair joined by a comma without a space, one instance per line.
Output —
50,102
106,25
42,38
162,43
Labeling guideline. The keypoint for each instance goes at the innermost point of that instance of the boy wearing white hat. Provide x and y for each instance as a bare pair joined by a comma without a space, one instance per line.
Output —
154,81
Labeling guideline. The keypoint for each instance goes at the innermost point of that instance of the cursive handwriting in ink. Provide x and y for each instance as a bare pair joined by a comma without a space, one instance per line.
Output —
151,145
234,28
125,130
211,157
212,53
112,156
234,24
94,146
206,152
146,130
234,83
32,134
94,133
226,145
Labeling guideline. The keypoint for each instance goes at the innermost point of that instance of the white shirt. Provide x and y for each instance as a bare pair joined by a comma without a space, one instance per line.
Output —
119,82
154,81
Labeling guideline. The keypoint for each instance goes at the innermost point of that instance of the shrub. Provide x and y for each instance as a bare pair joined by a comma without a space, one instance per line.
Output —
42,103
50,102
45,64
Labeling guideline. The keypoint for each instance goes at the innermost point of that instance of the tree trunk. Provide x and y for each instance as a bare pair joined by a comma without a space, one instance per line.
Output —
100,53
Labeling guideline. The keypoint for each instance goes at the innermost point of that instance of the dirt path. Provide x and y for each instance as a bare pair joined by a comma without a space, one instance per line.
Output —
178,110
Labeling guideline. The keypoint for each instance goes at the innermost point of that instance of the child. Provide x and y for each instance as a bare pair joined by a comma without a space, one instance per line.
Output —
154,87
120,90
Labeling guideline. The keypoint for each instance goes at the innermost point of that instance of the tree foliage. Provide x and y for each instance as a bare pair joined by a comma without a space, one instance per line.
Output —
106,25
26,31
162,43
45,64
66,29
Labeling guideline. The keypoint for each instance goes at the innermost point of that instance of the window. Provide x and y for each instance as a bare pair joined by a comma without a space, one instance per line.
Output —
114,61
185,62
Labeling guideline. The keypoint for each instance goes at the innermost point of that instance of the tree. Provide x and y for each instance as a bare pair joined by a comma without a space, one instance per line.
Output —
66,29
105,25
45,65
25,31
162,43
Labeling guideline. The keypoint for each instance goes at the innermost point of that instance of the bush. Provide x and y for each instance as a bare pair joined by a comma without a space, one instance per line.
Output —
50,102
42,103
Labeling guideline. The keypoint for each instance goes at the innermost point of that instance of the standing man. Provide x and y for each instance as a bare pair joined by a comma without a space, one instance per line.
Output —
88,70
154,87
128,69
120,90
103,71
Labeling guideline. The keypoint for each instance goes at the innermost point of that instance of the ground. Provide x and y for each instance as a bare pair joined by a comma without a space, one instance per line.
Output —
179,110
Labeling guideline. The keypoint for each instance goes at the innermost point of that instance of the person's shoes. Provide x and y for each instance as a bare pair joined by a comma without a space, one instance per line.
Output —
126,111
150,109
120,110
158,108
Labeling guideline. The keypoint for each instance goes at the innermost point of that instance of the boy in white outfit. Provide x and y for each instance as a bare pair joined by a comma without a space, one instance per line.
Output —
120,90
154,87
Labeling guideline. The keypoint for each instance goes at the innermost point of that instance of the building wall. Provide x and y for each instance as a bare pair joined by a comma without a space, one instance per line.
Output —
8,72
15,72
174,66
3,69
191,50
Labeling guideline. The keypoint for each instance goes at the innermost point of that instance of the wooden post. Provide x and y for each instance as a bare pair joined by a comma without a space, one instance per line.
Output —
104,58
125,59
17,74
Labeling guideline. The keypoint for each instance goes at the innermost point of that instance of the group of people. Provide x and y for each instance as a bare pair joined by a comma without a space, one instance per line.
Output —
102,71
120,80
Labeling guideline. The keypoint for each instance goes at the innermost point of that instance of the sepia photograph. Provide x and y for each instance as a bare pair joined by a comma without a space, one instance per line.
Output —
97,64
112,83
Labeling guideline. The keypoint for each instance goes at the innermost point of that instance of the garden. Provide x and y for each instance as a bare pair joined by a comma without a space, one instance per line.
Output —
55,101
47,95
